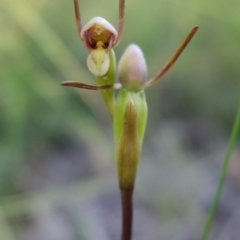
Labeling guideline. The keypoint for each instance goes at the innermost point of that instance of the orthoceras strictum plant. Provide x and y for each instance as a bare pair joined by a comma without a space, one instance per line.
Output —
129,110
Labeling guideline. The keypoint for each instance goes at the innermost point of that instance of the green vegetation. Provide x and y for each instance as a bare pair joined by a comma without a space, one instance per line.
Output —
190,113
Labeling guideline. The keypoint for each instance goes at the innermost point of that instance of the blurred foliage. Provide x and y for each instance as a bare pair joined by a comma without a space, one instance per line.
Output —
39,48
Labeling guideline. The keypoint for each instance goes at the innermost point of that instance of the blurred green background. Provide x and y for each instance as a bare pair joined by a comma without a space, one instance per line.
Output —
57,172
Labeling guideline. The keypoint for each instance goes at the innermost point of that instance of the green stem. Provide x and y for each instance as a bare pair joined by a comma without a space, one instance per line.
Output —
109,78
127,214
222,176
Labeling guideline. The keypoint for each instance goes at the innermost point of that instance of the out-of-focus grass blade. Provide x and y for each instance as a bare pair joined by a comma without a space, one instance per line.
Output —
5,230
231,144
50,44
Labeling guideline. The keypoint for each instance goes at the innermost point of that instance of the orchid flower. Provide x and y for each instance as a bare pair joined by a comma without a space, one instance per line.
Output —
129,109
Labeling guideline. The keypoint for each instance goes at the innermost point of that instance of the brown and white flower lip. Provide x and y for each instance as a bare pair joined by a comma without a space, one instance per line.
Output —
98,32
98,36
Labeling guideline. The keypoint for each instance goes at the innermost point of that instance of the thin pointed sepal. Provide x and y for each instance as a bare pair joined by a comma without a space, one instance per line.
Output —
173,58
89,86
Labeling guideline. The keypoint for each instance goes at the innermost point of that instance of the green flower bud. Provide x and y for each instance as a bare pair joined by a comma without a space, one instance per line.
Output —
98,36
130,116
132,68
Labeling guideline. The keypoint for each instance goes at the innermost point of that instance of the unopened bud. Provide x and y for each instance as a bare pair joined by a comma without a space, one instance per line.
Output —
132,68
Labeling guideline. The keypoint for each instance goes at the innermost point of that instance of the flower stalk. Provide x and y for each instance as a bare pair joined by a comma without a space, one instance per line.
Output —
127,214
